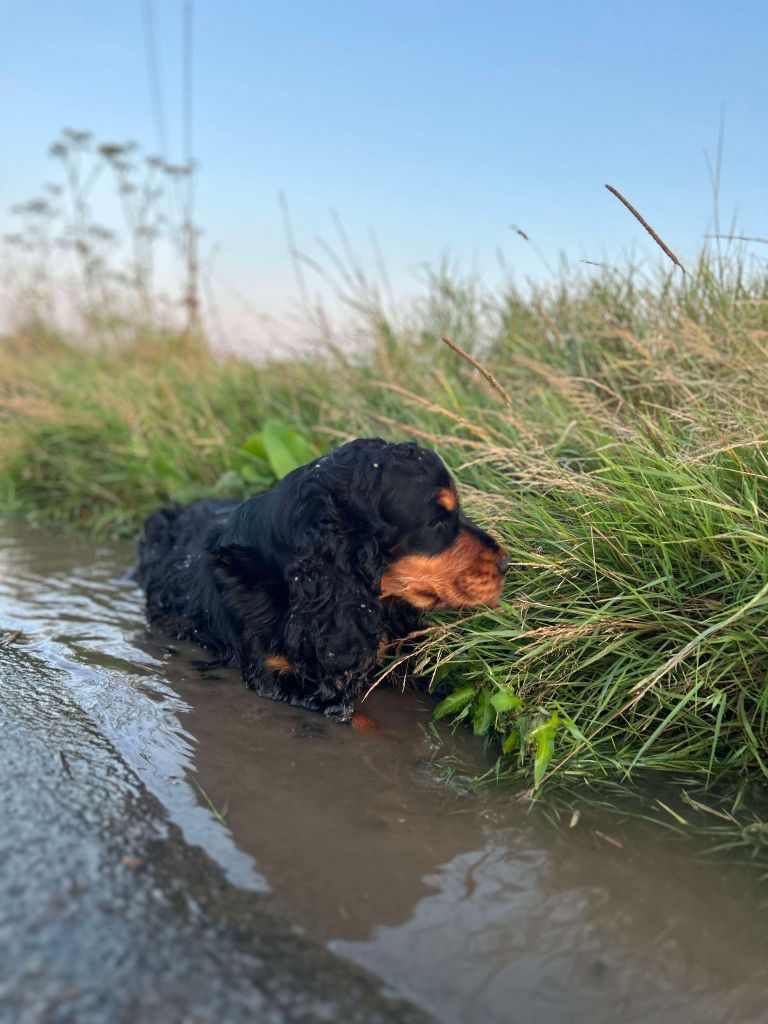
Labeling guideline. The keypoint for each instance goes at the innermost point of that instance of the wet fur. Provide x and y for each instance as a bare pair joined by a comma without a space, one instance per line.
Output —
288,585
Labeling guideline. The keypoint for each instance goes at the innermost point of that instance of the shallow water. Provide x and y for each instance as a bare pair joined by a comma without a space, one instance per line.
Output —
174,848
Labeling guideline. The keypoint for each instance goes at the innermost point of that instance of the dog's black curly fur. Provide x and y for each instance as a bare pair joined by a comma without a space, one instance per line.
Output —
288,585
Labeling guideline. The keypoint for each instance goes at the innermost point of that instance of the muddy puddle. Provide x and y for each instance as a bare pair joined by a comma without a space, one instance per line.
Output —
174,848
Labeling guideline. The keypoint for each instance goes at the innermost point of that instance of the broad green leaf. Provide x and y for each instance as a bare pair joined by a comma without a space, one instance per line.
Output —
482,714
502,701
545,747
511,742
254,445
251,474
286,449
454,702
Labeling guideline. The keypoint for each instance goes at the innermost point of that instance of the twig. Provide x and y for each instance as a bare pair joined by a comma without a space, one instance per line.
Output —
478,366
638,216
609,839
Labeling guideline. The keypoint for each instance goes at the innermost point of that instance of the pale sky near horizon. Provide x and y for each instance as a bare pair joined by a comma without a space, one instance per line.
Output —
437,124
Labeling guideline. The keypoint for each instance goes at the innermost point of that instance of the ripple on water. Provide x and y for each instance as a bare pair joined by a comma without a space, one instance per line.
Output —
462,903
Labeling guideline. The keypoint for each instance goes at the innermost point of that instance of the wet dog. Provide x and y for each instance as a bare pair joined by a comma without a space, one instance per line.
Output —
302,586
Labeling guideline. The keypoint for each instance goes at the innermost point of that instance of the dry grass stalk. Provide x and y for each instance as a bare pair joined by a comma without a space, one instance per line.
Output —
410,397
757,442
638,216
739,238
549,322
479,367
426,435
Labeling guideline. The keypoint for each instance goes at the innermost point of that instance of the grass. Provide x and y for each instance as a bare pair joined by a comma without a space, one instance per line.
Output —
620,449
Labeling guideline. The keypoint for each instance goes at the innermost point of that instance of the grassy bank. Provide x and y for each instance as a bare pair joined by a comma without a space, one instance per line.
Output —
624,462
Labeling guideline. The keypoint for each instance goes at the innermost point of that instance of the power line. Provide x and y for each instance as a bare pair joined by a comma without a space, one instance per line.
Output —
187,82
155,85
192,298
182,178
187,85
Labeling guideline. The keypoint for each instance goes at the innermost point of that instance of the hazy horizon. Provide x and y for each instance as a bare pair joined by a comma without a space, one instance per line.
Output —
438,126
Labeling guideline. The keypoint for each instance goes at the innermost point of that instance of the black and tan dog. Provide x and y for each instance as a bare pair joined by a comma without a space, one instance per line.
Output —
301,585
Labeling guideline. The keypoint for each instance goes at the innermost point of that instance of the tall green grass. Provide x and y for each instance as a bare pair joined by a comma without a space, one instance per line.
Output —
627,474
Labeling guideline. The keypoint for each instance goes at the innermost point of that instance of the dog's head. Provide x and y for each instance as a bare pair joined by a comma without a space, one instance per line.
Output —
369,523
383,521
434,556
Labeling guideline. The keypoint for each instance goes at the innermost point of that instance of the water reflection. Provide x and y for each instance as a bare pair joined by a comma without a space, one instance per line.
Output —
462,902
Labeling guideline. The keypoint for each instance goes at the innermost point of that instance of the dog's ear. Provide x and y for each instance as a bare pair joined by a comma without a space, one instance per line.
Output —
335,618
239,574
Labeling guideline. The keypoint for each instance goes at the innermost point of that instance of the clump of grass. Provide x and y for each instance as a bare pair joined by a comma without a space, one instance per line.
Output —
97,439
617,442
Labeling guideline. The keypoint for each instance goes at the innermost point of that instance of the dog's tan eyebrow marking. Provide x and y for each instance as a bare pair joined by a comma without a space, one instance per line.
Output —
277,663
446,497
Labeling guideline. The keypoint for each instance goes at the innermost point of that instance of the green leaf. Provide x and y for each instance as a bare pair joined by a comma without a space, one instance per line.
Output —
251,474
482,714
454,702
286,448
544,735
503,701
441,673
511,742
254,445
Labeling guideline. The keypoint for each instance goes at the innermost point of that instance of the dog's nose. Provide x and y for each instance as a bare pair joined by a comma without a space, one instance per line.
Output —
504,563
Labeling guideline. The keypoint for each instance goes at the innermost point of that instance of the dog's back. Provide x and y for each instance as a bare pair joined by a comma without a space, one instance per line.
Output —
173,569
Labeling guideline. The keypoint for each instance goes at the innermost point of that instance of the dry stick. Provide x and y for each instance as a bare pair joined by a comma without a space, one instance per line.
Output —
638,216
473,362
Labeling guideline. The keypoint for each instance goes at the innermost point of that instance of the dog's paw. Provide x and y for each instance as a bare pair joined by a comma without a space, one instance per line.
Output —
339,712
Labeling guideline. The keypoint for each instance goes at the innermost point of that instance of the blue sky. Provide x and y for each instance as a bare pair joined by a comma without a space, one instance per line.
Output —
438,124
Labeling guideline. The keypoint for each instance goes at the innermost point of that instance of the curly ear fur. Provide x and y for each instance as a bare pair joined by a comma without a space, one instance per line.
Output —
335,618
